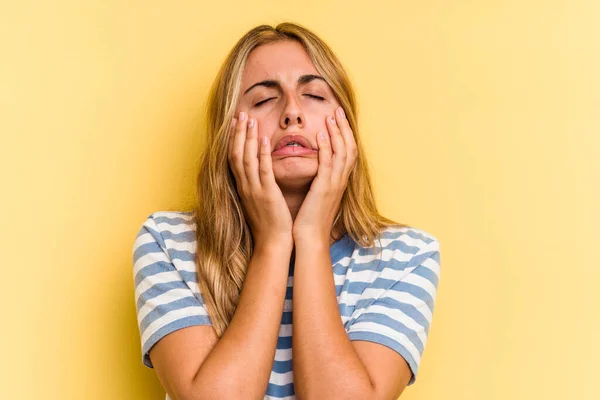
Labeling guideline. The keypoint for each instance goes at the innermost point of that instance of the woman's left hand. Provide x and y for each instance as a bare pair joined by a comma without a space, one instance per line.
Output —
337,158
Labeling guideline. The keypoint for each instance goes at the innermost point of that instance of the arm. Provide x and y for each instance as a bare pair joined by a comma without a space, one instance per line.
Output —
240,363
251,337
324,359
192,364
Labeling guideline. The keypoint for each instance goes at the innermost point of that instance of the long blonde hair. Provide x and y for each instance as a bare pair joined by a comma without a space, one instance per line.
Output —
224,240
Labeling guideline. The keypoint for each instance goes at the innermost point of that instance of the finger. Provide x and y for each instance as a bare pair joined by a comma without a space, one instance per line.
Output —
325,156
230,140
339,149
237,152
347,134
250,154
267,178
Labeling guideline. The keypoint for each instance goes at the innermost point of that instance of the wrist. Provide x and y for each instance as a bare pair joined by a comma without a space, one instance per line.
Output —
280,244
311,238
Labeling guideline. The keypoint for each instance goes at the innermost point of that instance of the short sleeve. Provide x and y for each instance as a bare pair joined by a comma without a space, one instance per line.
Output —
164,300
400,316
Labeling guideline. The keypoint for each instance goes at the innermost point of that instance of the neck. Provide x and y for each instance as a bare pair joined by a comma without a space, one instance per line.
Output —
294,200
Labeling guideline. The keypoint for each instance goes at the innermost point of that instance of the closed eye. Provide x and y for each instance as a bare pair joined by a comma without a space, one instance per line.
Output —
318,98
260,103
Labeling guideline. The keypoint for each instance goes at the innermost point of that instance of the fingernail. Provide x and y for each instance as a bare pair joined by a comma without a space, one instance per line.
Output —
242,116
341,112
264,140
321,136
332,119
234,122
251,122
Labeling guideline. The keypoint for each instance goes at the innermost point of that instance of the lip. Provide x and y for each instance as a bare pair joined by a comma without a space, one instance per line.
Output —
293,138
292,151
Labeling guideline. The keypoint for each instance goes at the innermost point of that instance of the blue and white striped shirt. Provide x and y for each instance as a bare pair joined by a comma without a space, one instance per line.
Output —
389,302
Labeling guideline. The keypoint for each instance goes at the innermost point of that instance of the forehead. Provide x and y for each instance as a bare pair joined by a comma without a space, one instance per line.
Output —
283,61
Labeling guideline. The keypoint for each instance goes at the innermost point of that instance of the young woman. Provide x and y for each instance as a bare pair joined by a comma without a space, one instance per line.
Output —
285,281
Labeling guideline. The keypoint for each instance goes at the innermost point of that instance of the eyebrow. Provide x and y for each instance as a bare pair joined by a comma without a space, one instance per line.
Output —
270,83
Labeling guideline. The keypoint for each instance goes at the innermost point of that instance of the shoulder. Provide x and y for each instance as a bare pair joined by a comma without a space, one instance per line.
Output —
411,236
396,252
171,221
169,236
167,294
162,226
408,243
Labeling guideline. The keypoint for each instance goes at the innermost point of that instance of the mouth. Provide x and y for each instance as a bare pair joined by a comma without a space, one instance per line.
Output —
294,151
295,141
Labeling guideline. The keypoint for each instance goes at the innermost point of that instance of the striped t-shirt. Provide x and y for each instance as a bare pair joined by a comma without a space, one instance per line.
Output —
389,302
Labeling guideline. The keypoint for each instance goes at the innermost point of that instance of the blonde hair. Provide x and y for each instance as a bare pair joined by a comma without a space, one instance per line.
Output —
224,240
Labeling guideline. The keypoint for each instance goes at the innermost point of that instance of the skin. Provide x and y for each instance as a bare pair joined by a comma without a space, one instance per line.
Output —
292,109
293,200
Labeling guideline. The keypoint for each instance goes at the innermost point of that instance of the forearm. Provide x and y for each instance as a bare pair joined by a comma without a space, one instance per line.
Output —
324,359
240,364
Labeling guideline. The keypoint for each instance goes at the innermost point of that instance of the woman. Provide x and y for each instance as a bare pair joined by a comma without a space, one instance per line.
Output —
284,281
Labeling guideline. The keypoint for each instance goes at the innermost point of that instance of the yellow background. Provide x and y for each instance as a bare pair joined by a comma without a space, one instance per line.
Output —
481,120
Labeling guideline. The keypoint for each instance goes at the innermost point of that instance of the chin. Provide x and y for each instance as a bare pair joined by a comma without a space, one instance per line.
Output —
295,172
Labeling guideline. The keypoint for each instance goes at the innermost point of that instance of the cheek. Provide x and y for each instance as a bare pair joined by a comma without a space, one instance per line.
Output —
266,127
319,119
316,124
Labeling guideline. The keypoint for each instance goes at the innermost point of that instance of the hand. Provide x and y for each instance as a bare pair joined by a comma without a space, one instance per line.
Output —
262,201
337,157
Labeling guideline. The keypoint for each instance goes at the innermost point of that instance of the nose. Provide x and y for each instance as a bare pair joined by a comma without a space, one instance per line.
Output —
292,115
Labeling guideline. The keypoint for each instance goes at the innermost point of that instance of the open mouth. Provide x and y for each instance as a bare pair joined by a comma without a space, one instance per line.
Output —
294,150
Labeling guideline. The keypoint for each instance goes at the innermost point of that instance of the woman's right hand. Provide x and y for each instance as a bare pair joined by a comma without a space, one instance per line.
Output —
262,200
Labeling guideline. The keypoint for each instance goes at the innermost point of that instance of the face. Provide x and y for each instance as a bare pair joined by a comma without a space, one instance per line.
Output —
293,101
